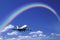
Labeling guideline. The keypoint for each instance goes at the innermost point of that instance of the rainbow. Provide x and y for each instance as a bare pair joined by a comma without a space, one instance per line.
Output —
24,8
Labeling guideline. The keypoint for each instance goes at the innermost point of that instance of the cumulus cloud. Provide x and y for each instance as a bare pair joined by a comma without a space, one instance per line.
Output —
7,27
13,33
37,32
34,38
1,38
36,35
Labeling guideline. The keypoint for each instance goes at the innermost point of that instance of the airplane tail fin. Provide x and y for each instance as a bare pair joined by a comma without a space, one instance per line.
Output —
17,27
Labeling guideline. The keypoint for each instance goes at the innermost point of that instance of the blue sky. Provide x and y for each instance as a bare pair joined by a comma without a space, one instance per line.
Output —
36,18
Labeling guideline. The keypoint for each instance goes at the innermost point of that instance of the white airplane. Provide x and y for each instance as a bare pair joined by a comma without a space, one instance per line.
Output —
23,28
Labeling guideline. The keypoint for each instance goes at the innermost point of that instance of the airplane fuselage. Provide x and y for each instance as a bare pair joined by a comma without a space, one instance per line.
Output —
24,29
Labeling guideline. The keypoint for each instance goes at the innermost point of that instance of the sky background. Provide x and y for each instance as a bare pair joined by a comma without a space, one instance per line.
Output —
35,18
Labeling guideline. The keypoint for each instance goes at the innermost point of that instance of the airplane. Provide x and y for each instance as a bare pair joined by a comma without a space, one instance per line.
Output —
23,28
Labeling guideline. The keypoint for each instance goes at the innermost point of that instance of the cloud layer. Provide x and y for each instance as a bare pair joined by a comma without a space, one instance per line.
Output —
36,35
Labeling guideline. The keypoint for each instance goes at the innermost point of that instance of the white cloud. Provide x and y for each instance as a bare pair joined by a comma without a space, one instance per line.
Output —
7,27
20,37
13,33
10,39
1,38
37,32
37,35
